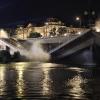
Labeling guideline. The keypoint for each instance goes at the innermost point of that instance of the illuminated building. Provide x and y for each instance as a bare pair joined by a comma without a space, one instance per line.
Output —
51,25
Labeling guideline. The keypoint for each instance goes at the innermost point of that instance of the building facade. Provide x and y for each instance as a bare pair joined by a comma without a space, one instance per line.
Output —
50,27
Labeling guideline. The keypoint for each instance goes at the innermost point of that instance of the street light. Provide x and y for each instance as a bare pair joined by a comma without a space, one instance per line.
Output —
90,17
79,19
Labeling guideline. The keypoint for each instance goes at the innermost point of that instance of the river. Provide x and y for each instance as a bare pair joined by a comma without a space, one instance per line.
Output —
48,81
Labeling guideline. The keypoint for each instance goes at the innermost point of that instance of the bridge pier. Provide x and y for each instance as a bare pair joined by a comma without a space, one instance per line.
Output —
82,57
83,50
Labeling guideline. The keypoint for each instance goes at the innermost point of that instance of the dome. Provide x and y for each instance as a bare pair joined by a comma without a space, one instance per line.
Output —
52,20
30,25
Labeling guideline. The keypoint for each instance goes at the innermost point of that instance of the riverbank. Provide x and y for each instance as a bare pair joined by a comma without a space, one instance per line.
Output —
6,57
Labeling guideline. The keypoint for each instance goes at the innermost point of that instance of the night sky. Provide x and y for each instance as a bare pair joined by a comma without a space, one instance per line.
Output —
19,11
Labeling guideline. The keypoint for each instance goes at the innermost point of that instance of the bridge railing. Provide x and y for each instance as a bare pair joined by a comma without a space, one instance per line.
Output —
57,39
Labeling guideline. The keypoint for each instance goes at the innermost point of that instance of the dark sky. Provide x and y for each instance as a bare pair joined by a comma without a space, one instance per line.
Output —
16,11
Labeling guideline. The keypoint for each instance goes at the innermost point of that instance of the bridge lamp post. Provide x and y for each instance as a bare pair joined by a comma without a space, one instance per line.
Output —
91,16
79,20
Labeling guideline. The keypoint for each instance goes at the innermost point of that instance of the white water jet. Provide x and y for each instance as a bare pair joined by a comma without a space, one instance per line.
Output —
3,33
37,53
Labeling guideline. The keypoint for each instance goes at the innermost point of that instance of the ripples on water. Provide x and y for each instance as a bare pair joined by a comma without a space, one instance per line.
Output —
47,81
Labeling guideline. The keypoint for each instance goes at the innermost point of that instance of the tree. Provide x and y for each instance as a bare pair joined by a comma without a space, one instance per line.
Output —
34,35
62,30
16,56
5,55
53,32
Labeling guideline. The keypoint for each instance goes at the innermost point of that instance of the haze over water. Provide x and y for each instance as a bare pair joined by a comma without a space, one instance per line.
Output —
48,81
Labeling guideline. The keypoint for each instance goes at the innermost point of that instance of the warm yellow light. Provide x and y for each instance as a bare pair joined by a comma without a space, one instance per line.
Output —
2,80
79,33
46,81
65,34
3,33
20,68
97,29
97,26
77,18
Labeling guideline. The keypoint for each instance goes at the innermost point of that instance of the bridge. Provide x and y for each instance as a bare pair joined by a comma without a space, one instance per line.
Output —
55,39
21,45
14,45
80,50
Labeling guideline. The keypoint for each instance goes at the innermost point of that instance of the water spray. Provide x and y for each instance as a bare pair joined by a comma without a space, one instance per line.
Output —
37,53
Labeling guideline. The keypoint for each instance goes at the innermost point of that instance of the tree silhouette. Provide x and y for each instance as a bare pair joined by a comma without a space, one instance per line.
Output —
62,30
34,35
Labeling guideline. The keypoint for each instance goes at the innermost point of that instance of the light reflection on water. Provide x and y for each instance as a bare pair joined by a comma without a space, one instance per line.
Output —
75,84
20,68
2,80
48,81
76,89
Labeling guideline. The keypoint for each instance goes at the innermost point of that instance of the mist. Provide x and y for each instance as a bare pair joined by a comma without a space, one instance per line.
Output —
37,53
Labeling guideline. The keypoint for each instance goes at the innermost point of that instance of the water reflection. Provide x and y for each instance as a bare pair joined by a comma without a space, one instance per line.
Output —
46,83
76,90
2,79
20,85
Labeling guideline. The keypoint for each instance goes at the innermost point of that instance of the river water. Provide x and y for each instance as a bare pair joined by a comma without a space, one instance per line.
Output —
48,81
